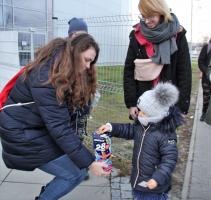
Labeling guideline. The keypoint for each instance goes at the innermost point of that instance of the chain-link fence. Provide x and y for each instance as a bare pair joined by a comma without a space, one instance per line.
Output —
18,46
112,34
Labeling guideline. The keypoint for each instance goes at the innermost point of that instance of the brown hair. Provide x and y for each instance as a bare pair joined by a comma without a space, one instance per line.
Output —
155,7
66,76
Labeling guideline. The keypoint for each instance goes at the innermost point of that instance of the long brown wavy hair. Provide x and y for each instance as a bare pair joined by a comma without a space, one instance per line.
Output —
70,82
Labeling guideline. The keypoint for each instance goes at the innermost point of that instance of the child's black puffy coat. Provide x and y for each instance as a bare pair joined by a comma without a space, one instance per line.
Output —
154,154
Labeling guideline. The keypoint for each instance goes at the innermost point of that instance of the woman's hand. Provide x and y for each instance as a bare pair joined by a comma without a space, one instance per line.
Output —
104,128
133,112
152,184
97,168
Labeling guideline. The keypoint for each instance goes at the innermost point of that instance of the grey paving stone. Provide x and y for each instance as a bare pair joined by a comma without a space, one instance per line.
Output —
115,193
125,179
115,172
174,198
18,191
200,193
116,198
198,184
97,181
126,195
115,179
125,187
127,199
115,185
4,171
89,192
37,176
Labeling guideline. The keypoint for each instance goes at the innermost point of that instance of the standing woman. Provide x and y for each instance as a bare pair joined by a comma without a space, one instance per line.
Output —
158,51
35,128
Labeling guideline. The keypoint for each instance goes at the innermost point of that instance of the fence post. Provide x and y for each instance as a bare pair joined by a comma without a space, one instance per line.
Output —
32,43
55,27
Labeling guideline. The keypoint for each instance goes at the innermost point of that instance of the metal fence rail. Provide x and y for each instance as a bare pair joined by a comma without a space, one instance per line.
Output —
112,34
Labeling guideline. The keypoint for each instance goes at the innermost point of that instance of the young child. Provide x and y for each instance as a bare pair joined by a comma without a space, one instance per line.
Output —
155,149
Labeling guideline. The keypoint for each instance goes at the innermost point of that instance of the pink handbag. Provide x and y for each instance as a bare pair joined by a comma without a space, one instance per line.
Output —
146,70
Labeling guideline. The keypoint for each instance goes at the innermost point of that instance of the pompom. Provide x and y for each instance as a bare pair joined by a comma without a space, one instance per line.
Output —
166,94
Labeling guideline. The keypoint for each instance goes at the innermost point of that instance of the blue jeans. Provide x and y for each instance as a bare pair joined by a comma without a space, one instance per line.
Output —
67,177
149,196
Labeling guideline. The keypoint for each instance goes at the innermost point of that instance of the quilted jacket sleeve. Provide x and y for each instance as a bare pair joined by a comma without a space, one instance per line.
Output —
123,130
184,74
129,81
57,120
169,154
202,60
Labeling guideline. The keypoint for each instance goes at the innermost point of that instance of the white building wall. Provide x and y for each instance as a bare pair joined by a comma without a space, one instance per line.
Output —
9,47
6,73
9,62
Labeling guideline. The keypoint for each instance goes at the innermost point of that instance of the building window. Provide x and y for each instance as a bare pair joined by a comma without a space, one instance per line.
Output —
7,2
24,57
30,14
24,45
38,5
24,41
28,18
26,14
39,41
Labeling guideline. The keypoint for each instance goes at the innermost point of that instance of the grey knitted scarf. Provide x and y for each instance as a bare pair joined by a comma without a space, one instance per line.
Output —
163,39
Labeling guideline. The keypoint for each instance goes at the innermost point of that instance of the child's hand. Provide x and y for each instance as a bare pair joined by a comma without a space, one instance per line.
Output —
152,184
98,168
104,128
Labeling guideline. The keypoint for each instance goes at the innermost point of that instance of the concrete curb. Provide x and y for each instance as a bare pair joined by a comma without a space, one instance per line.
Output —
188,171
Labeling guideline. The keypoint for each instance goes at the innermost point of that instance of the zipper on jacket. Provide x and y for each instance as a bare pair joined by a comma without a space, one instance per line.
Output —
139,153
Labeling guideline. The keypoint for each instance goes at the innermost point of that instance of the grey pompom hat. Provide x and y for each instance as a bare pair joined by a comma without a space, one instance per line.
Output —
155,103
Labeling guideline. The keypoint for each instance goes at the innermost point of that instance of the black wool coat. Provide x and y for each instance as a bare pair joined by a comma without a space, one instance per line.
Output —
178,72
203,62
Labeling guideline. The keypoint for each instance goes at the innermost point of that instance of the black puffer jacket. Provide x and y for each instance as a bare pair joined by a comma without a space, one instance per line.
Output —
154,154
178,72
35,134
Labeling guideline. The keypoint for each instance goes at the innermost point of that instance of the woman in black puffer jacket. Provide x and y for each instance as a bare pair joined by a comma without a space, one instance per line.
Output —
35,124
